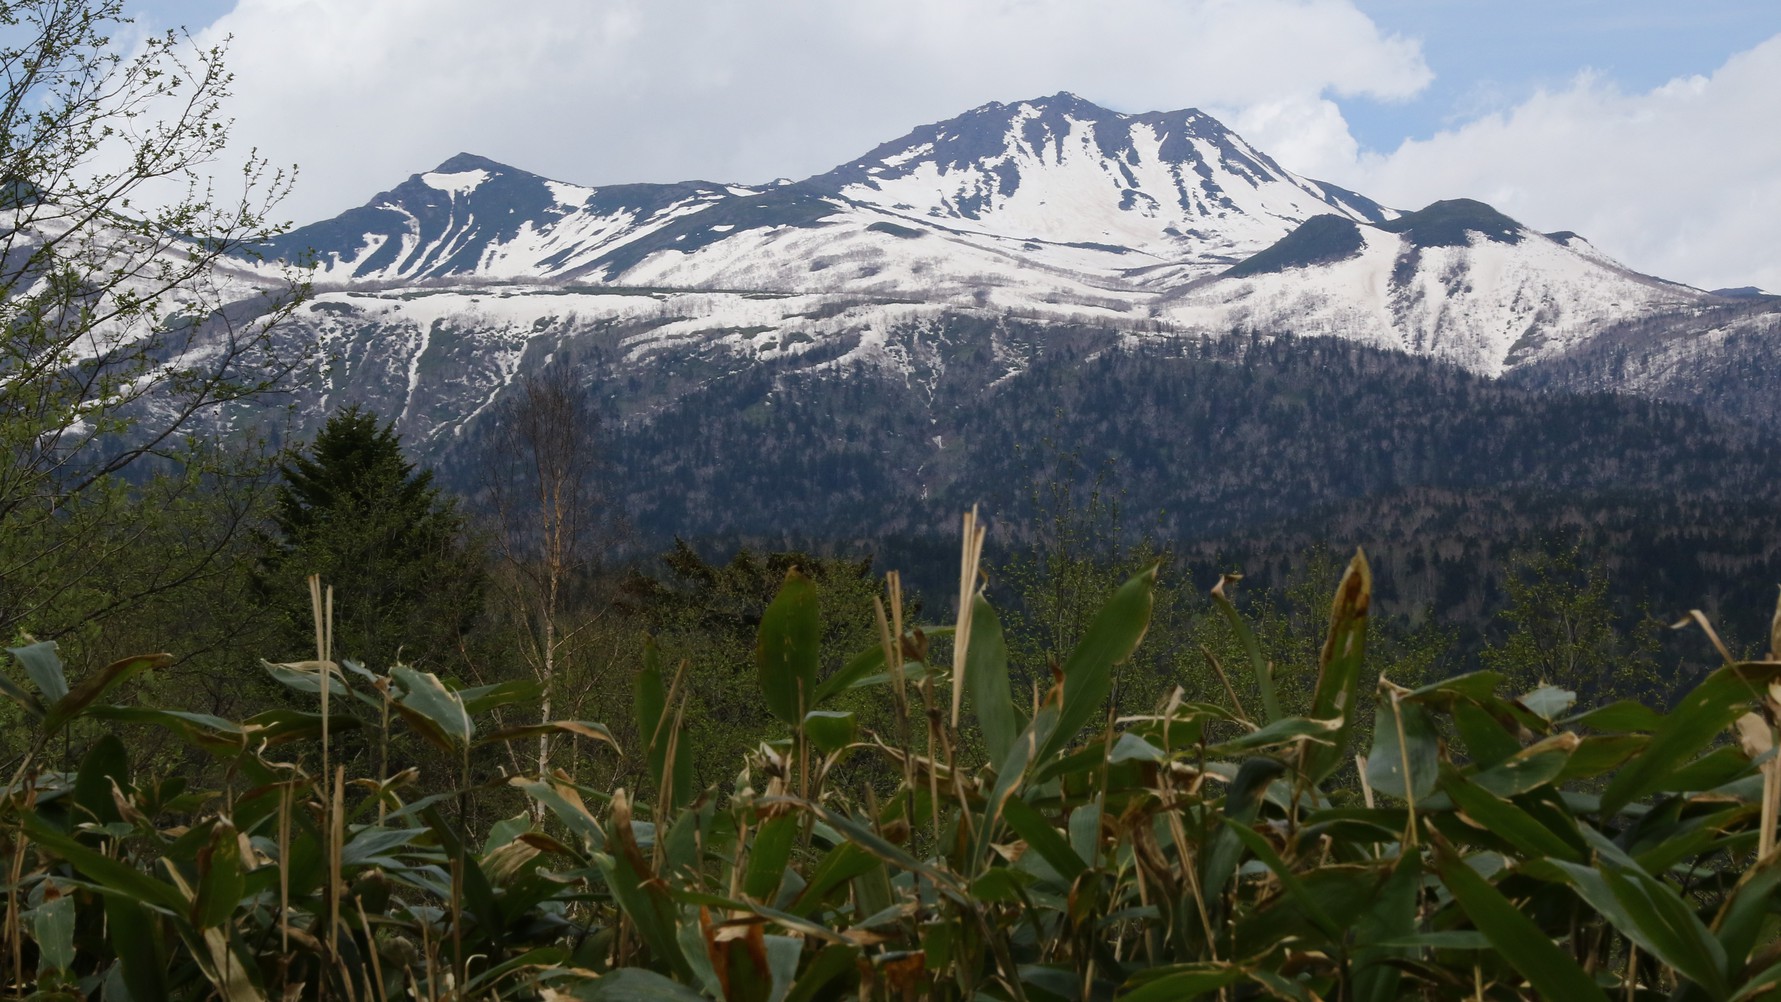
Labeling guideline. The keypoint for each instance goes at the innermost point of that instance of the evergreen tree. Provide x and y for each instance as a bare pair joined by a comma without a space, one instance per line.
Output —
407,580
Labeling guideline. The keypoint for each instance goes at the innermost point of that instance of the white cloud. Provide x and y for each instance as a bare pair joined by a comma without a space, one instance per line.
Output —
362,93
1306,135
1683,181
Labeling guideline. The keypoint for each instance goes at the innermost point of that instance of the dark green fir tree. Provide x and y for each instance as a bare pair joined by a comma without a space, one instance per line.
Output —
407,579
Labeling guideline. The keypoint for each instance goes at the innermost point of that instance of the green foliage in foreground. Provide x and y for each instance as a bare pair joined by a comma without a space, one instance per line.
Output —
1475,844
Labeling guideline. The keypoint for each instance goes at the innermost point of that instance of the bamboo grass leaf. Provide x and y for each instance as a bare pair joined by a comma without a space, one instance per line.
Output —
1524,945
1626,715
1042,838
837,960
567,805
110,875
221,878
1308,901
1761,985
478,890
1534,766
1241,804
637,890
1548,701
1599,754
1701,716
1506,820
1184,981
134,934
633,984
481,699
307,677
270,728
534,959
987,686
1339,666
1651,914
867,662
785,919
33,706
98,684
783,953
867,668
843,863
768,856
1740,920
1403,736
201,729
577,728
1114,633
425,697
52,928
1486,738
875,844
44,666
787,651
1258,666
104,764
1391,916
1085,829
1013,772
1281,733
655,728
1132,748
831,730
1472,686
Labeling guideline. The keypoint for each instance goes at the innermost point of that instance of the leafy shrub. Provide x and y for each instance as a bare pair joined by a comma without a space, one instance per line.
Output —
1479,845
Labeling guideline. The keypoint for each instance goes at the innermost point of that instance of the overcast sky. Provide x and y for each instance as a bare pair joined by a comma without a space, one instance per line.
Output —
1649,126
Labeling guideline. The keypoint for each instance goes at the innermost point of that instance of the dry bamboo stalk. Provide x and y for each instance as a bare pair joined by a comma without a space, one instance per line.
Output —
1397,713
14,928
1771,775
1757,737
970,556
285,798
336,838
1771,778
371,948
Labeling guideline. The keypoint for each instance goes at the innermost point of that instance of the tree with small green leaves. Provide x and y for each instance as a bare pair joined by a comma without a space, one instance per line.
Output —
1562,629
127,329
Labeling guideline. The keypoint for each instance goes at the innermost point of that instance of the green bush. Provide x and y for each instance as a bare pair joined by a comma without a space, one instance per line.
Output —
1473,843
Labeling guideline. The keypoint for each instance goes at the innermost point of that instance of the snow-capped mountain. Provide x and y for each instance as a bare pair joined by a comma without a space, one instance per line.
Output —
1048,215
1045,198
1160,223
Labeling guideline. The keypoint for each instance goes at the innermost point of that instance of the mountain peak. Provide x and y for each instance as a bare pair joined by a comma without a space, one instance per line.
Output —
463,162
1175,185
1068,103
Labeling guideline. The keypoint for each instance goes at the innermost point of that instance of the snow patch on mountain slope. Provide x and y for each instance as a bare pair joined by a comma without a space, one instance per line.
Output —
569,196
1487,306
459,183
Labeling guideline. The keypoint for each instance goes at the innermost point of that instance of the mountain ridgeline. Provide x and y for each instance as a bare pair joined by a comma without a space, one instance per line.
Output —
1048,289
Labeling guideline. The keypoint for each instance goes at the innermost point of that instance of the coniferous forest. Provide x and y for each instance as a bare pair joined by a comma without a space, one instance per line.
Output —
1260,666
